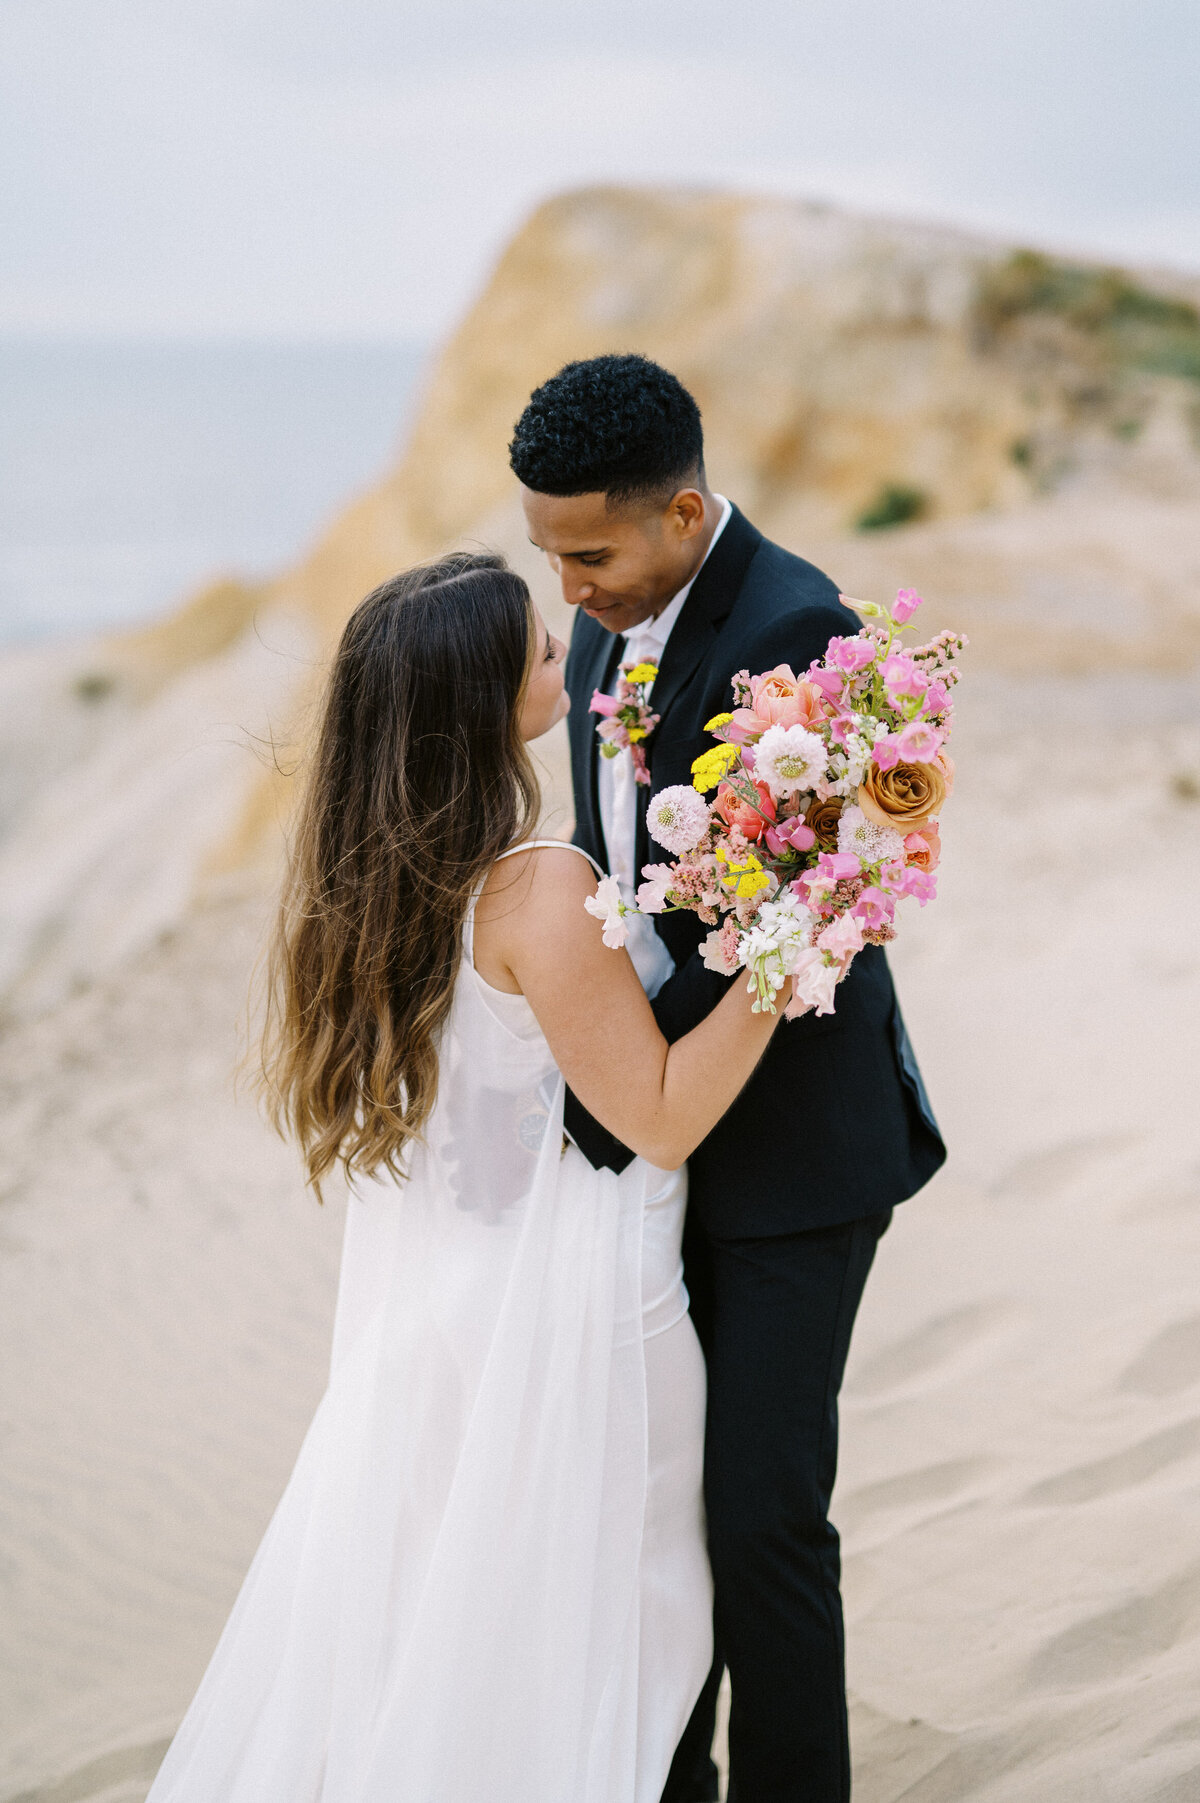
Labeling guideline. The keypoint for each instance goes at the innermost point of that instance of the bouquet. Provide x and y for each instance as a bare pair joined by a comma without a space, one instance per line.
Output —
828,792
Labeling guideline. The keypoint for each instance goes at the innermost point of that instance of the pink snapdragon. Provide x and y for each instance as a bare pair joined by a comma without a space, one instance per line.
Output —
902,678
851,655
652,894
815,887
886,750
937,698
813,984
603,704
842,937
919,743
840,865
829,682
901,880
796,834
874,908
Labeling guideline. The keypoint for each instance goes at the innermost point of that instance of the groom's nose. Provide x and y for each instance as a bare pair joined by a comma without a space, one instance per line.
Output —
576,592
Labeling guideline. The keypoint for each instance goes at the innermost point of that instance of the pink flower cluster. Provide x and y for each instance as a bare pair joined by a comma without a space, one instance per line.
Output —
625,718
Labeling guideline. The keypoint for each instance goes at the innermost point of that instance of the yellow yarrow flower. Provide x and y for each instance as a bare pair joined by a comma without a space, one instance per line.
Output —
642,673
716,721
711,766
745,879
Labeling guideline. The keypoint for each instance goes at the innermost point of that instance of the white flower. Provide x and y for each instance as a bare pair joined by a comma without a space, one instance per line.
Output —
779,935
608,907
873,844
678,818
814,981
652,894
788,758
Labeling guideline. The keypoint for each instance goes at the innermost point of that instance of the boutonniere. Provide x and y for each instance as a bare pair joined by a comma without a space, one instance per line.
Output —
626,718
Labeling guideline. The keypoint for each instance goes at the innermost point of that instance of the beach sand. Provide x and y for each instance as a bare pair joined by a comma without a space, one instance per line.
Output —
1020,1474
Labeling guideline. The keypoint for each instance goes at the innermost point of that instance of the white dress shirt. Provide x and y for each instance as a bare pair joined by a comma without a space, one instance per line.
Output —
618,790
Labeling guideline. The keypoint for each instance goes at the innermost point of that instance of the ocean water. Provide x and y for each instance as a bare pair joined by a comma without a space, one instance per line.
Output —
133,472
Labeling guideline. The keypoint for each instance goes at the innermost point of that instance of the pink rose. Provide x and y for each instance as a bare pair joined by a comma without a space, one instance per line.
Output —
923,850
776,699
734,811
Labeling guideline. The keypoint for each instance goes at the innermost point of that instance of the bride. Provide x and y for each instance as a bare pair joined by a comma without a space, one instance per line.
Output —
486,1581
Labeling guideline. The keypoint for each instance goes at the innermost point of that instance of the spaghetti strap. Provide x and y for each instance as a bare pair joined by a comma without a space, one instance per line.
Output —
551,845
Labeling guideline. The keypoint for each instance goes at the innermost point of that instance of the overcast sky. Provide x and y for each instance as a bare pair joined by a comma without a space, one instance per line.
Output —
307,167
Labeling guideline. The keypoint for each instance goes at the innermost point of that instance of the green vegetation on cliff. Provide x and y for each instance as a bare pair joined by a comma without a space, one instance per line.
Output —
1134,327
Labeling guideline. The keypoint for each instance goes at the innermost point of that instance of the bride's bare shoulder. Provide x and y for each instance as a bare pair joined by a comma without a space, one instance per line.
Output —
539,883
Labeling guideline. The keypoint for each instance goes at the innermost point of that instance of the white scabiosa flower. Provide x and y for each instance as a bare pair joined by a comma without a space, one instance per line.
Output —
789,758
678,818
873,844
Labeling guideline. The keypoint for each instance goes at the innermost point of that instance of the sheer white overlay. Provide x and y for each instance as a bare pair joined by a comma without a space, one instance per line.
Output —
486,1581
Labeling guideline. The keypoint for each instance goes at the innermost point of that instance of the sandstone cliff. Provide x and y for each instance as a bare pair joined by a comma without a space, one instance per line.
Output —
1029,425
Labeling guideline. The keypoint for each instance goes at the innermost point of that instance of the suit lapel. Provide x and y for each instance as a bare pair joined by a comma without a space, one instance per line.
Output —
591,665
706,609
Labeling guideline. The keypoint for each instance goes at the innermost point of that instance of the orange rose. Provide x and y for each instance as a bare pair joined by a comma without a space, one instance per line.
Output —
736,812
904,797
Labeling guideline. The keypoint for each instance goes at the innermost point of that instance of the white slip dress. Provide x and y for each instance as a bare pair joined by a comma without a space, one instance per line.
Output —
486,1581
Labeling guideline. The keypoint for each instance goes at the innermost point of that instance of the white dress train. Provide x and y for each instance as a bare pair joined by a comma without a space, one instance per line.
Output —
486,1581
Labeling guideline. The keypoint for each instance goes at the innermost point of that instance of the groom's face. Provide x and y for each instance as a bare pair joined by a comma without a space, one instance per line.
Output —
621,565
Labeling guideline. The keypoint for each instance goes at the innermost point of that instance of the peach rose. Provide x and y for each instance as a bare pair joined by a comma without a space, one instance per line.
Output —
904,798
923,850
736,812
823,817
946,763
778,699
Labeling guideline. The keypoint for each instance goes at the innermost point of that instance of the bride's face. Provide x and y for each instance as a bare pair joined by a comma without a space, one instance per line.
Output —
546,700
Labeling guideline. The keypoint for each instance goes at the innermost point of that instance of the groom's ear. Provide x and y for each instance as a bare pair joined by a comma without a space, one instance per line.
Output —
685,512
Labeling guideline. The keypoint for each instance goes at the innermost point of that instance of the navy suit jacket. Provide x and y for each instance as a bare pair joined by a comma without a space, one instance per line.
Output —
835,1123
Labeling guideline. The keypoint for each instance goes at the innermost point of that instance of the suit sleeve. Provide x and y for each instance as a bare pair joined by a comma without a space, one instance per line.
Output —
693,991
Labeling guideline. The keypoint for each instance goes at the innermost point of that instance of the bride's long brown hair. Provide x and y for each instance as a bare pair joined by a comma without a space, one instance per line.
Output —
418,779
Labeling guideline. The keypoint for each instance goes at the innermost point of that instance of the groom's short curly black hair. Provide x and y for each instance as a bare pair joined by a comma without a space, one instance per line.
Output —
621,426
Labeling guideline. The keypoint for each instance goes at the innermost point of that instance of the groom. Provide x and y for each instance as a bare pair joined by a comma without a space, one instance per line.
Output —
789,1194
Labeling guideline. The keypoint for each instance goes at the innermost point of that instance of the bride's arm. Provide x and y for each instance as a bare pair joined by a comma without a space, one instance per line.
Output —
661,1100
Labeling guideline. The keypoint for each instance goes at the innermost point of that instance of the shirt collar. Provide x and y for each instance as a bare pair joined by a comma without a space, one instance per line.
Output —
649,640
